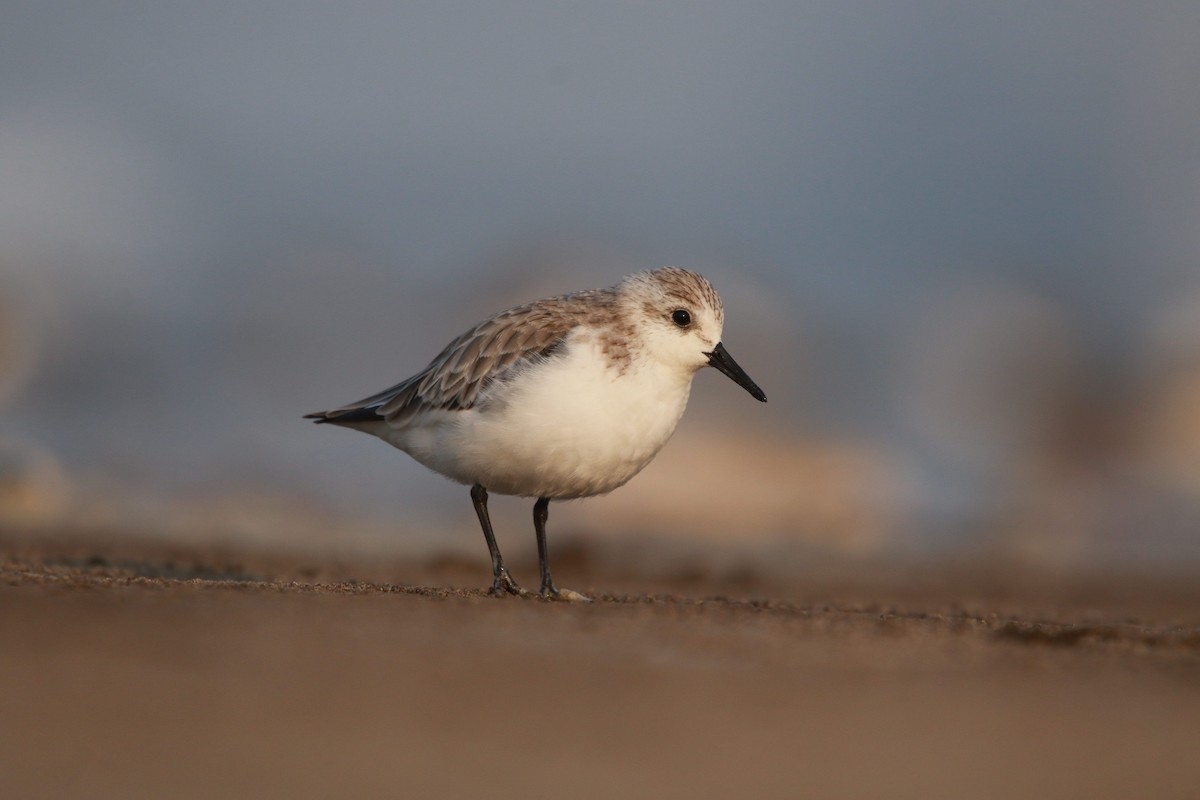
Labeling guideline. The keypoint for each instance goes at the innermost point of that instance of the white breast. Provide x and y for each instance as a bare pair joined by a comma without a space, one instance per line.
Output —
572,426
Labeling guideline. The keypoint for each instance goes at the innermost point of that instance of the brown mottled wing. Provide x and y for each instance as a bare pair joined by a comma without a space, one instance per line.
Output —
456,377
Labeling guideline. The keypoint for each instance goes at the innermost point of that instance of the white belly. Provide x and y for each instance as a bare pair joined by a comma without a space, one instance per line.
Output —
570,427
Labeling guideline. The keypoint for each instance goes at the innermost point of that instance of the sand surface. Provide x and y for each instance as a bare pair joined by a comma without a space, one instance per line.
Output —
132,670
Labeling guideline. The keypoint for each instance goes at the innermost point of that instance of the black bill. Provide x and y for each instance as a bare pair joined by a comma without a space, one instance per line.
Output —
720,358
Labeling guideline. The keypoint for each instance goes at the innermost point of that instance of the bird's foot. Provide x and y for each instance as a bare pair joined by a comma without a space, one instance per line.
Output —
504,584
552,592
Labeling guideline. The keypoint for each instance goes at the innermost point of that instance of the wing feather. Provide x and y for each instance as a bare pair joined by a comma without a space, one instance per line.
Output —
457,376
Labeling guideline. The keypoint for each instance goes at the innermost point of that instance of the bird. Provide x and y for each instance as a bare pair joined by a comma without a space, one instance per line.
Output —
562,398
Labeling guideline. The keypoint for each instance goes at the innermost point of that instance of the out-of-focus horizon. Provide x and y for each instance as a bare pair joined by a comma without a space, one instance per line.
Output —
958,247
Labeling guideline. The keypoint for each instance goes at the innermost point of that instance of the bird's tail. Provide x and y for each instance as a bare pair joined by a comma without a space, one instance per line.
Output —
345,416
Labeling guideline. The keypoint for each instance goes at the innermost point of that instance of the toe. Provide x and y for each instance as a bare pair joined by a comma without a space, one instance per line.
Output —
504,585
565,595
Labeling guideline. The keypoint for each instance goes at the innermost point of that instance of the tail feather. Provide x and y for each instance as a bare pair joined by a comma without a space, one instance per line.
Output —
345,416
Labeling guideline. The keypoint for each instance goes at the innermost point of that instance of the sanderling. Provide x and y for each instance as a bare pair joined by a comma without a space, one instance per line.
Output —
561,398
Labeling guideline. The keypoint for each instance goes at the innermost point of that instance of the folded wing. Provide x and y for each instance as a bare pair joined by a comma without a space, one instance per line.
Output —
457,377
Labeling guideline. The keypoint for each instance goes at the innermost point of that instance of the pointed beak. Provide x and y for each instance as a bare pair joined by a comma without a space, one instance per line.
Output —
720,358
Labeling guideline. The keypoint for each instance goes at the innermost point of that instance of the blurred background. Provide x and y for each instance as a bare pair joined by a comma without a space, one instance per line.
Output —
959,247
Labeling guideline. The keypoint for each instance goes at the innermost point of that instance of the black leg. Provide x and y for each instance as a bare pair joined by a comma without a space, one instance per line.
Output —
501,581
541,513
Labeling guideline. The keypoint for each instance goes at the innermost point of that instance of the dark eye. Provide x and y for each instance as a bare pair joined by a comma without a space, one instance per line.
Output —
681,317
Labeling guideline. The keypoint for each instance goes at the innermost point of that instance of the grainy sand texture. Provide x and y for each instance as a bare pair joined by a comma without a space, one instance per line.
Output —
132,670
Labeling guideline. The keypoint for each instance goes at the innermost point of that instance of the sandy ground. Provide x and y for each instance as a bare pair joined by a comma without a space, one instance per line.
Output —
133,670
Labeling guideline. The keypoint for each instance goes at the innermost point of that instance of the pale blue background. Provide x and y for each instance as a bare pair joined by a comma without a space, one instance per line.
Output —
215,217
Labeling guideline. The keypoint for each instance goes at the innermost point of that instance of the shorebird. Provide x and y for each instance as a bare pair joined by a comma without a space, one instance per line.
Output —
561,398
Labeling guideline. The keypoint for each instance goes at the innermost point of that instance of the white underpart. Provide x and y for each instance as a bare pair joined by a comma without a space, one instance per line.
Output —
573,425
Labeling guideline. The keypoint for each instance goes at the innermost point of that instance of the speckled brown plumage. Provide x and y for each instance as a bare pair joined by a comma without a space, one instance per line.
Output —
457,377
